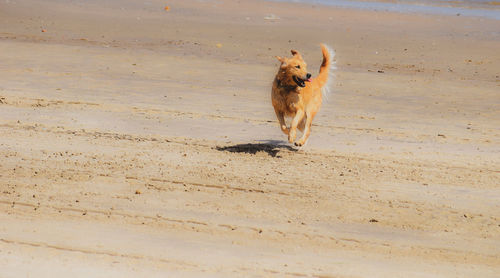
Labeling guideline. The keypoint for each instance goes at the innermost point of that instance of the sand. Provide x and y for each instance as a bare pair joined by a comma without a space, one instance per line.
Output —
140,142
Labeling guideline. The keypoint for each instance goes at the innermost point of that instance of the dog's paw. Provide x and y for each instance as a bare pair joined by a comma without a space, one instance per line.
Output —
291,137
301,143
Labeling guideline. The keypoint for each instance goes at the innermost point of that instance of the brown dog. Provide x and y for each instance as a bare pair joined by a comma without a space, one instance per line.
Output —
296,95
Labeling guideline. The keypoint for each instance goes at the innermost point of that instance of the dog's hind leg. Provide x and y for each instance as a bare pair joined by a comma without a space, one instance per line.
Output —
299,115
281,119
302,124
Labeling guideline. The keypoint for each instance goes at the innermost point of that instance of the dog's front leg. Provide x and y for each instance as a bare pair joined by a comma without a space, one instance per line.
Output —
307,131
281,119
293,127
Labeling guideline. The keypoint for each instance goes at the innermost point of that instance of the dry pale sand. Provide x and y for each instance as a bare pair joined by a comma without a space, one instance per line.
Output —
139,142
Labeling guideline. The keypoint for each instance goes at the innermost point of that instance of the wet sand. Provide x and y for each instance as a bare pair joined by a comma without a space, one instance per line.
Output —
138,141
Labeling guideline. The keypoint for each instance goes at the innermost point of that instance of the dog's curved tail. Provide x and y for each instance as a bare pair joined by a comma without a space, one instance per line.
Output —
325,76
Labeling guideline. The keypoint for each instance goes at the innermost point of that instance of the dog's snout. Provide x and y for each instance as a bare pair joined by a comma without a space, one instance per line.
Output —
308,75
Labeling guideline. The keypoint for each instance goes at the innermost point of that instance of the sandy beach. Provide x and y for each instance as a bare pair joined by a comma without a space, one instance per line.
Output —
139,141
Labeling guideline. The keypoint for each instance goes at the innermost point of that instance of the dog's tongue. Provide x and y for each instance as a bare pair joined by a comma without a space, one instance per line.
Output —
309,80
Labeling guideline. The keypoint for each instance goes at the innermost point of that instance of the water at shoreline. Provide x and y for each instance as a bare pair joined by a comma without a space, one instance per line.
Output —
476,8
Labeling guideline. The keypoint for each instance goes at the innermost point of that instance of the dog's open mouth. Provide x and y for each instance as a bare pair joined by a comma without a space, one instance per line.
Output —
301,82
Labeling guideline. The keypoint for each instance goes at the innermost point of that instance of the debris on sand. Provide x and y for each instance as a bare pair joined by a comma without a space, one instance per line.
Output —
167,8
271,17
44,30
219,45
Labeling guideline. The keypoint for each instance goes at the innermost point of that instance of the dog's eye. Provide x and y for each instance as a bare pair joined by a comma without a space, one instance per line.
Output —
298,66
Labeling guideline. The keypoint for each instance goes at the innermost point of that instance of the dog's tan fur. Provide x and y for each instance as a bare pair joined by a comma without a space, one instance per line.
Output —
291,100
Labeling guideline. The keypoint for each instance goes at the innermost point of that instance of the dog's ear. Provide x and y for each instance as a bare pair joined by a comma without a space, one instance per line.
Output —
296,53
282,61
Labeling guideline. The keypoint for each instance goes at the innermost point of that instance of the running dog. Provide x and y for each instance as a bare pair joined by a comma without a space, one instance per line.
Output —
295,94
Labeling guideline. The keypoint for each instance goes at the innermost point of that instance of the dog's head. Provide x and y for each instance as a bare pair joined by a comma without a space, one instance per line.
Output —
293,71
